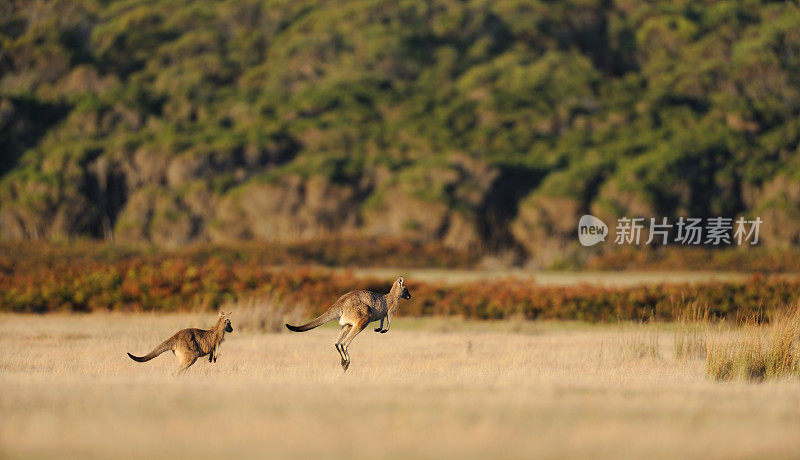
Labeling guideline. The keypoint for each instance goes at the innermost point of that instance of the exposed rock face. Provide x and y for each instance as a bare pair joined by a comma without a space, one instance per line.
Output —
461,201
290,209
441,202
62,219
144,195
401,213
546,225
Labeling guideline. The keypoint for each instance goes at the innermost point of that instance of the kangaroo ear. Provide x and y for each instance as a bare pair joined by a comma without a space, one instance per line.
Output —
221,313
400,281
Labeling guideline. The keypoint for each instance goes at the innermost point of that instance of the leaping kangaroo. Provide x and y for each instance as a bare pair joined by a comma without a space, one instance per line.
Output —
190,344
355,310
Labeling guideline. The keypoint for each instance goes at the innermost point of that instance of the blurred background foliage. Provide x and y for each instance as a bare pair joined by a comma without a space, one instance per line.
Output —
477,124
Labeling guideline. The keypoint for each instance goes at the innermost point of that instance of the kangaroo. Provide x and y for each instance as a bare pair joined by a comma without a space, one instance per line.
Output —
190,344
355,310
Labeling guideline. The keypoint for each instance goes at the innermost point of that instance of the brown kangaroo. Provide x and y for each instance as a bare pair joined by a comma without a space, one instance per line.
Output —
355,310
190,344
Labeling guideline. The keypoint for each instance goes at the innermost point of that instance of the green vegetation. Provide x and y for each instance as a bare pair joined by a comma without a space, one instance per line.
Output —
478,124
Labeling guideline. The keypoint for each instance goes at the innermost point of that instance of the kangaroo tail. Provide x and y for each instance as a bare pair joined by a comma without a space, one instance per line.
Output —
329,315
165,346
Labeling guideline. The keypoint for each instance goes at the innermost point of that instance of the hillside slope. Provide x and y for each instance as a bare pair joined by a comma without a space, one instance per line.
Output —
479,124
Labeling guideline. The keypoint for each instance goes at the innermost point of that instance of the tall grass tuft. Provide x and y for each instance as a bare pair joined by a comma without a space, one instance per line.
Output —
760,352
691,331
641,340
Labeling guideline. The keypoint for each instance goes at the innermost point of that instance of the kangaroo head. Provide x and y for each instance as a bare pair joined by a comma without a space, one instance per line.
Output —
226,319
401,285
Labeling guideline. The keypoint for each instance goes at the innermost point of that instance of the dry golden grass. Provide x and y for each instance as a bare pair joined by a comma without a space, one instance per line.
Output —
428,388
264,314
640,340
758,351
692,327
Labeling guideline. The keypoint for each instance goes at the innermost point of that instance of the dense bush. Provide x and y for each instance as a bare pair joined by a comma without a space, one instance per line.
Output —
52,279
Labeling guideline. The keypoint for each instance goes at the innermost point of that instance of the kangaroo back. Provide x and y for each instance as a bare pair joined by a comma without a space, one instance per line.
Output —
165,346
331,314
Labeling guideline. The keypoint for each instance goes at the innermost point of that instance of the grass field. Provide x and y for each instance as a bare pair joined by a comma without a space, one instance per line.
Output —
428,388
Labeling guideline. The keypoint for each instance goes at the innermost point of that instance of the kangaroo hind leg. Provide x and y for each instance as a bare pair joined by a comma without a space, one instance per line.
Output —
185,359
352,333
345,329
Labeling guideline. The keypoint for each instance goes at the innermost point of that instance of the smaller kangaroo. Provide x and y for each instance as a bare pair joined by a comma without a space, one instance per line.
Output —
355,310
190,344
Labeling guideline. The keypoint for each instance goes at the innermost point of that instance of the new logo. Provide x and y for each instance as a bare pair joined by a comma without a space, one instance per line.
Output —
591,230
